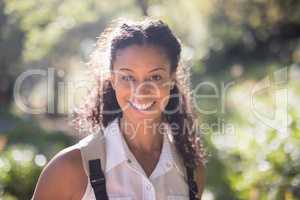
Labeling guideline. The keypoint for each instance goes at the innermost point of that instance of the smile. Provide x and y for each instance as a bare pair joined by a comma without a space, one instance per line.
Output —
142,107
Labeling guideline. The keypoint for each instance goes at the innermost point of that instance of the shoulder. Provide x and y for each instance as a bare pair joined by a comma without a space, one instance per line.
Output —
63,176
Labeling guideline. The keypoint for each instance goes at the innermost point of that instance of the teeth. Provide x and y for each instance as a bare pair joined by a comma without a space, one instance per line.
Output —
140,106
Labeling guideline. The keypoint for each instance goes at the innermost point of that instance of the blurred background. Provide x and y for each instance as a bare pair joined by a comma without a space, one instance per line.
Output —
244,57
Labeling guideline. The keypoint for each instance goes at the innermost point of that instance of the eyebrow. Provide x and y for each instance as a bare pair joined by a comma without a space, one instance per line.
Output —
153,70
156,69
126,69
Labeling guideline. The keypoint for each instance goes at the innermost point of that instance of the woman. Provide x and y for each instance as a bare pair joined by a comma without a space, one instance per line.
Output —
141,116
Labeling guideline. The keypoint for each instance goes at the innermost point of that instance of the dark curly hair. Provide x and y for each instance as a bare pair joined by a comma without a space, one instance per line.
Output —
101,106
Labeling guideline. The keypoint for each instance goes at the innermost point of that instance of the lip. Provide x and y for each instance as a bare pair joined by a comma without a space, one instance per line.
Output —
142,107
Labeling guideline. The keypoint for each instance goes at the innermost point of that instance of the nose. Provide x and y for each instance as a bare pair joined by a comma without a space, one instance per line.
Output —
145,89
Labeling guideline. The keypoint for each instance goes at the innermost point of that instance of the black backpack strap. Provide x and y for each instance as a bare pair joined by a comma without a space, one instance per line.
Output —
97,179
193,188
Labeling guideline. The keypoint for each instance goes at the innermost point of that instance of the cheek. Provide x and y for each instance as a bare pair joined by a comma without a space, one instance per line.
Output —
163,97
122,94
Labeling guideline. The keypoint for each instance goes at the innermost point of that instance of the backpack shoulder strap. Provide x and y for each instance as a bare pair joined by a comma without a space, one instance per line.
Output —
93,155
97,180
92,147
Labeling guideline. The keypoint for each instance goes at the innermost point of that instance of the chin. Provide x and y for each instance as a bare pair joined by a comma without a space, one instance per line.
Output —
141,117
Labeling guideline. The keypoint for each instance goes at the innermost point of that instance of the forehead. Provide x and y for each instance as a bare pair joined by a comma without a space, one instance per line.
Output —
141,56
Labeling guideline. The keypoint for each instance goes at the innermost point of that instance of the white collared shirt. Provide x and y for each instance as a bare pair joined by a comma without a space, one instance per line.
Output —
125,178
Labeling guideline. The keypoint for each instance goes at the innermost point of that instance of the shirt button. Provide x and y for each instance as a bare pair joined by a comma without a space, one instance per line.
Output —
168,164
148,187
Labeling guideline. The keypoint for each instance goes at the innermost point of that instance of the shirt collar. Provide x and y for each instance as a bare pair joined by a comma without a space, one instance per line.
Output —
117,151
172,151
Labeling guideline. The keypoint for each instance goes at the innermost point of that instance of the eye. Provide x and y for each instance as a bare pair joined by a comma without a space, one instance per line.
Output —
155,77
127,78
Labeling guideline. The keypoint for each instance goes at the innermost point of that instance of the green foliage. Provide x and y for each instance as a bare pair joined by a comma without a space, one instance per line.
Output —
256,161
29,132
45,22
20,167
251,34
46,142
26,148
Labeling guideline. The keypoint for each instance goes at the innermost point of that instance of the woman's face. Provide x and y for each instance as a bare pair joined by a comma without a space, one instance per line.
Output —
142,78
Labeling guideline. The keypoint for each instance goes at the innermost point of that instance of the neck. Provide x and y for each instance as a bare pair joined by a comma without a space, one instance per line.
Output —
142,136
